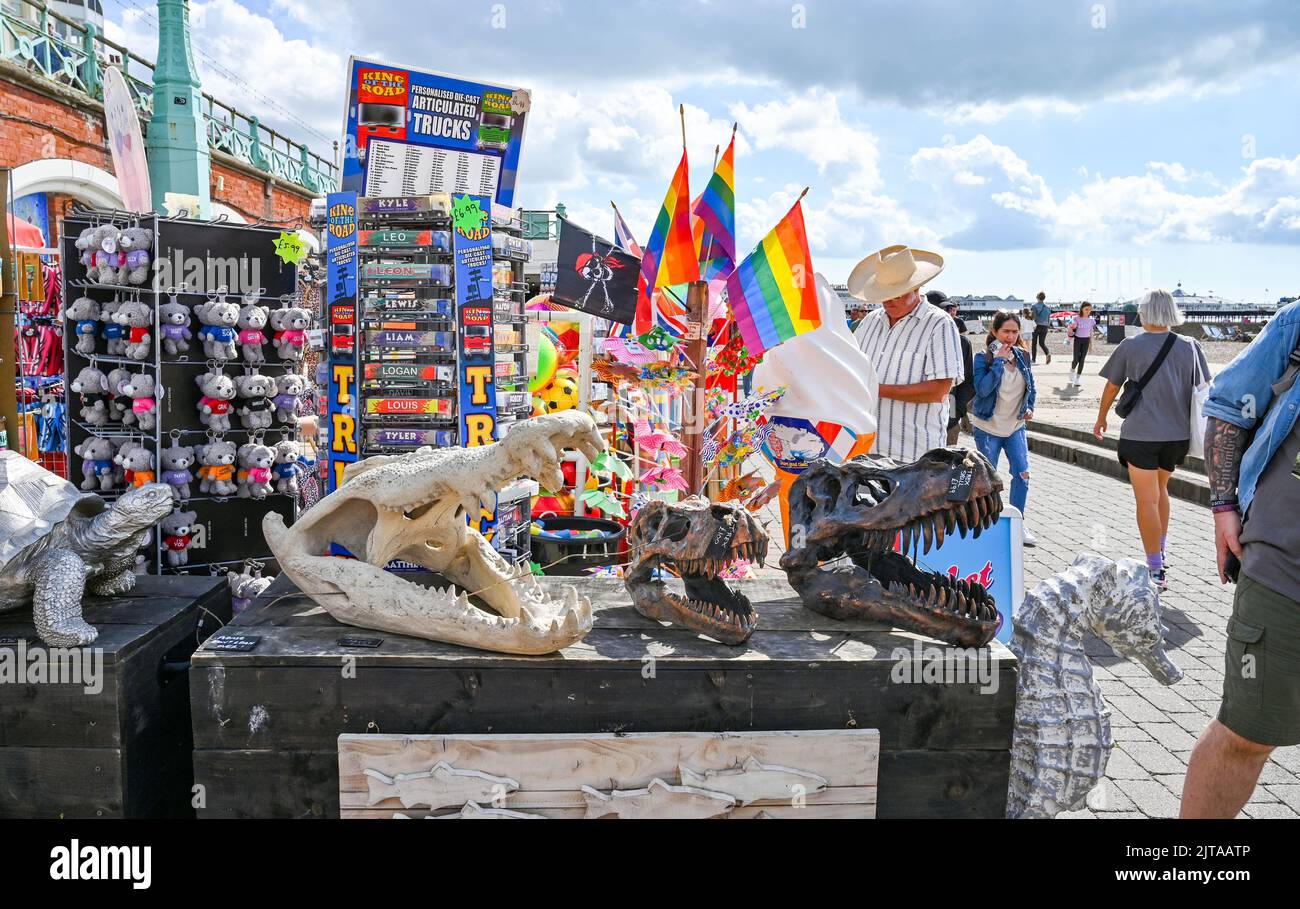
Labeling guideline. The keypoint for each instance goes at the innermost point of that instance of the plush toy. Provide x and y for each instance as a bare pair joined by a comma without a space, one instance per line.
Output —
92,386
96,463
142,391
219,317
83,241
217,468
290,324
174,318
254,405
177,534
134,245
137,318
214,407
288,467
113,331
252,319
138,463
176,473
107,256
288,388
85,312
119,407
255,475
119,472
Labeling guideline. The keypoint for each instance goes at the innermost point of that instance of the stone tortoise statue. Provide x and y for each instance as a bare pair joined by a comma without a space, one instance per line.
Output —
57,542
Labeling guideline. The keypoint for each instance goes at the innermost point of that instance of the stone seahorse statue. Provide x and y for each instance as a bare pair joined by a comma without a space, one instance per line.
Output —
1062,737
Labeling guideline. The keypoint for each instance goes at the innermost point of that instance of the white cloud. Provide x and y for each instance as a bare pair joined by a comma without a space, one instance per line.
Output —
998,202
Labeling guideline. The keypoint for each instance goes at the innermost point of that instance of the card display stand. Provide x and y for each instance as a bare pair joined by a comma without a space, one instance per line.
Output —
194,261
410,342
123,750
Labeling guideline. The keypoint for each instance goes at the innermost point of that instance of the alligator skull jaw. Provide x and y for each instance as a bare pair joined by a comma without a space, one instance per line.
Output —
412,507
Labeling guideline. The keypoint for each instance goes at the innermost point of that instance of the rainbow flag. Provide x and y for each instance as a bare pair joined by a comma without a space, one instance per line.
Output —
715,211
669,256
772,294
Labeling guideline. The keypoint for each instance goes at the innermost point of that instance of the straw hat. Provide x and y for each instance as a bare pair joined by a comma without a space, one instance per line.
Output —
892,272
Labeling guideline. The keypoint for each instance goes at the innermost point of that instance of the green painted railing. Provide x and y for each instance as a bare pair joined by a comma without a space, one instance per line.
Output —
74,54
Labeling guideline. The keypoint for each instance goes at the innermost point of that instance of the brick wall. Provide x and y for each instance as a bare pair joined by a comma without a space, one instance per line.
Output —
35,125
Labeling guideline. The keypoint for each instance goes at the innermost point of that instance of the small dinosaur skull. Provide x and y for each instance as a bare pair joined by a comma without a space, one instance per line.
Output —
845,519
695,539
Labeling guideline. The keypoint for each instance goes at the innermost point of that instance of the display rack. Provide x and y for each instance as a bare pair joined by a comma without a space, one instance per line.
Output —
192,261
411,340
406,337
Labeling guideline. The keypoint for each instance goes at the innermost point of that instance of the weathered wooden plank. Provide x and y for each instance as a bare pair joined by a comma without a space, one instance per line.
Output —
948,784
845,757
745,812
602,648
267,784
306,709
60,782
304,784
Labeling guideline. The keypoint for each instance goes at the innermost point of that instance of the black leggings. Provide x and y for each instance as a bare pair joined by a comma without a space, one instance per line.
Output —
1080,354
1040,337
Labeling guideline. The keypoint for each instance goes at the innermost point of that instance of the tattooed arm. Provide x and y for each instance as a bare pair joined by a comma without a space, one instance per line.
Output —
1225,445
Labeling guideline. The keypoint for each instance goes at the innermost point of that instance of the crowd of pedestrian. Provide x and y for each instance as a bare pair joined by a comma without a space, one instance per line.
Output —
936,383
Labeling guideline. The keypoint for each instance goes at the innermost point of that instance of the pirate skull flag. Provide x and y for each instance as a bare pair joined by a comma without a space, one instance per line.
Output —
595,276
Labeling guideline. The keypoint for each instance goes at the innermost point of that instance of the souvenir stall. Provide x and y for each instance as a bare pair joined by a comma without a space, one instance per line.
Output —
732,682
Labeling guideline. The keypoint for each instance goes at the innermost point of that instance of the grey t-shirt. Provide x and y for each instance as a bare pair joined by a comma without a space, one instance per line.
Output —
1270,538
1164,412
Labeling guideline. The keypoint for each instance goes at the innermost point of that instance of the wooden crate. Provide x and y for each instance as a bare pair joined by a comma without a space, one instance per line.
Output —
267,721
124,751
814,774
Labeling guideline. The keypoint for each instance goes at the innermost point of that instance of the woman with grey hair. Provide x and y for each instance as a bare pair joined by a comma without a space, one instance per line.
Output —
1158,371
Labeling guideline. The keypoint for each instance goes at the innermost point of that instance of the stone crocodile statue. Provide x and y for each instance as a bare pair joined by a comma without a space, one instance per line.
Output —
1062,738
57,543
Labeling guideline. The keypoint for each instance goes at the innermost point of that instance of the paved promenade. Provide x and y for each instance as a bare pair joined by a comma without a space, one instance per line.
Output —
1072,510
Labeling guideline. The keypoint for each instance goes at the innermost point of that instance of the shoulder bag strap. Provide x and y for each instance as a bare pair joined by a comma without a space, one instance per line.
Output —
1157,362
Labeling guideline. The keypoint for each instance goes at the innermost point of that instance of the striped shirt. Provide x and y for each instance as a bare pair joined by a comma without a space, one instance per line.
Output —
921,346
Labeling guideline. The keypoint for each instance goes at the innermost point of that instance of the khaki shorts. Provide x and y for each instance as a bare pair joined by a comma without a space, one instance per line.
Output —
1261,679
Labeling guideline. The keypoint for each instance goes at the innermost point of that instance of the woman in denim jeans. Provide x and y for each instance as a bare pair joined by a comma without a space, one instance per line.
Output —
1004,400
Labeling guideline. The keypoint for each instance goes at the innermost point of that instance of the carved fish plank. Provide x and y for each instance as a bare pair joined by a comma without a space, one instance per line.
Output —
441,786
658,800
754,781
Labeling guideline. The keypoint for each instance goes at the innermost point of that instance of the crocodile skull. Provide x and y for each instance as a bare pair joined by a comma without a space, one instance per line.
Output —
413,507
845,520
696,539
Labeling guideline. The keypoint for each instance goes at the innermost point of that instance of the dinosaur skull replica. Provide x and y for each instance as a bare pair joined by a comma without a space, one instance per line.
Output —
413,507
1062,738
696,539
845,519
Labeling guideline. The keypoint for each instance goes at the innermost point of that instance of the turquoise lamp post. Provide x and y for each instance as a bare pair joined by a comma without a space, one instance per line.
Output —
177,144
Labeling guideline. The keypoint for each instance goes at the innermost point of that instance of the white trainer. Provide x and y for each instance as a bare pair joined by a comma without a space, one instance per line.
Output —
1027,536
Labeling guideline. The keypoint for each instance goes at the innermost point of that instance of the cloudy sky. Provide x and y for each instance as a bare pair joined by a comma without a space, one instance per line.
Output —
1091,148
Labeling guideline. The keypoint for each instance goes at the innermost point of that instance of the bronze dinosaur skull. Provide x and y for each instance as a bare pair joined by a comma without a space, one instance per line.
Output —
695,539
844,521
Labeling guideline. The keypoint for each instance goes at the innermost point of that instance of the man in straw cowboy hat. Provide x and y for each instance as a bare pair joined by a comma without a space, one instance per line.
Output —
914,347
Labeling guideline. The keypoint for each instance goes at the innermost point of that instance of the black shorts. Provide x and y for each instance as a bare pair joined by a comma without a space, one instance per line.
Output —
1152,455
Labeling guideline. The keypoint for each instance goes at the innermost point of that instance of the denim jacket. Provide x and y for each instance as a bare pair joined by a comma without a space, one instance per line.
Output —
1243,392
988,380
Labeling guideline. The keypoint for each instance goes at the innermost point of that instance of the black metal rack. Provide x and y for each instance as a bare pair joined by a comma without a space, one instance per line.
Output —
229,527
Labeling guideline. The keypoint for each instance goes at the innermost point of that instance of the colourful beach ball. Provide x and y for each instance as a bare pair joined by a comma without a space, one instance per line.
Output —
547,362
